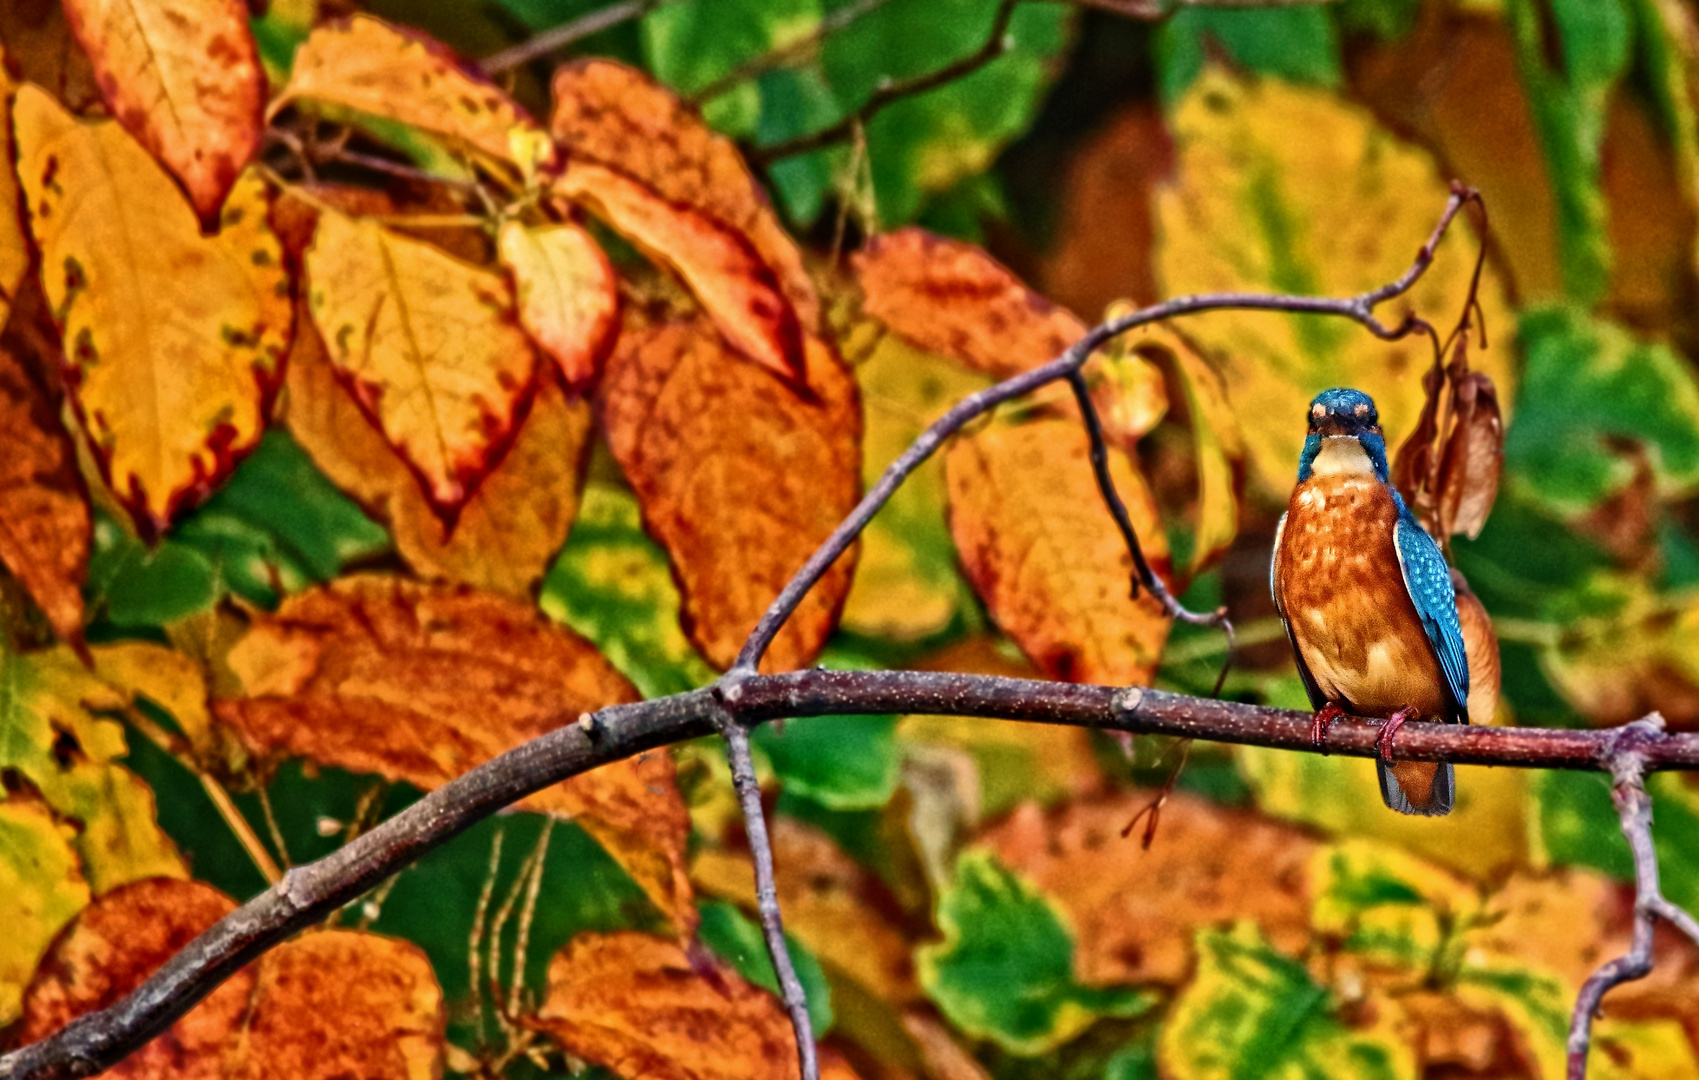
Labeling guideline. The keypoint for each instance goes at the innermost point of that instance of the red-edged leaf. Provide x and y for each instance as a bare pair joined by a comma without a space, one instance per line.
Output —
567,293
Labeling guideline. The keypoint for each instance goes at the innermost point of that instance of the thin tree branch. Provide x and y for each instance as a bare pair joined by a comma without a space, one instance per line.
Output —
996,44
767,889
1634,806
1359,309
566,34
97,1040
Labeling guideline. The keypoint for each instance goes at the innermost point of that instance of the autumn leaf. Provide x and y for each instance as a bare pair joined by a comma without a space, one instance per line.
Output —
44,889
1043,552
422,682
183,77
1473,458
14,244
607,112
173,339
736,289
568,297
363,65
429,346
740,477
1625,650
641,1007
116,943
1334,213
1136,911
953,299
45,527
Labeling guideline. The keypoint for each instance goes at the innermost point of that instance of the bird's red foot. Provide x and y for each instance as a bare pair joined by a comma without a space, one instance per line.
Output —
1324,718
1383,741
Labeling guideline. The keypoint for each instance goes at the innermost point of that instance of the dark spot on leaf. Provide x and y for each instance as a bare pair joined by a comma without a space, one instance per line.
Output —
66,748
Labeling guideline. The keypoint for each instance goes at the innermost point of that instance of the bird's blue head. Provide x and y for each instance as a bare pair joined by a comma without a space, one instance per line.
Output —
1348,413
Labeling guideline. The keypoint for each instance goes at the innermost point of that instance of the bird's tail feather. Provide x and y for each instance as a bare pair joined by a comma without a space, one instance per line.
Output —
1418,787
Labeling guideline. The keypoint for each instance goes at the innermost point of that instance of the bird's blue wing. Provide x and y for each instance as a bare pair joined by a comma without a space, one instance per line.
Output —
1428,581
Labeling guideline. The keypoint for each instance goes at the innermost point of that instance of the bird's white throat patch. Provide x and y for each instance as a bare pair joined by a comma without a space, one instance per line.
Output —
1342,455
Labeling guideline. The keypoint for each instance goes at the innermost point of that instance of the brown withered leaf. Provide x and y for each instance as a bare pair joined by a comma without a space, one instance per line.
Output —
173,339
1135,910
511,526
724,271
44,513
1044,553
568,297
428,344
183,77
605,111
643,1008
953,299
421,682
740,477
364,65
1474,457
41,49
116,943
342,1003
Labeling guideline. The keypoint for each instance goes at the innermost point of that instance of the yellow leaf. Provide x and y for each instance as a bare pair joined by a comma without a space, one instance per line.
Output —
364,65
428,345
172,339
184,78
568,295
14,246
164,676
120,840
1337,212
1617,667
43,887
1042,550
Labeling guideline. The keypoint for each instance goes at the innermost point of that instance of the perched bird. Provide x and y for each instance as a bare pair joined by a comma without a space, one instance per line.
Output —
1367,599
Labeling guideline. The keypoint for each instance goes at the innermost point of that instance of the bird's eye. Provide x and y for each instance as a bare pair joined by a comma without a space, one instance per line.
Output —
1318,410
1362,409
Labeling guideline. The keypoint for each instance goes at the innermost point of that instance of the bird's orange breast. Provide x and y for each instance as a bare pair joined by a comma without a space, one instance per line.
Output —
1341,590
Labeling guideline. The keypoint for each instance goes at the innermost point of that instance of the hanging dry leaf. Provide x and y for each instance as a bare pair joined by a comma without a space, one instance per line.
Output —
567,293
44,513
953,299
1474,458
736,289
173,339
740,477
364,65
1136,911
184,78
607,112
643,1008
116,943
1041,549
429,347
423,682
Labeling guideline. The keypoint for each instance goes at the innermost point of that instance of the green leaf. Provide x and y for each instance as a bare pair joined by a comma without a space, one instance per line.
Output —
1575,824
1587,382
1570,54
1298,43
692,44
132,585
840,762
1004,970
794,102
1253,1012
1675,814
611,584
737,940
279,525
1385,903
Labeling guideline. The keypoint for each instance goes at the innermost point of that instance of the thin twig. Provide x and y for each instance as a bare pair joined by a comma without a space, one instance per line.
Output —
995,45
522,944
788,53
271,825
766,887
1634,806
474,976
566,34
1359,309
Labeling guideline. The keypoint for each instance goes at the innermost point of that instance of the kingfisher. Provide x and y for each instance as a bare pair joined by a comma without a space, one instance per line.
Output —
1367,599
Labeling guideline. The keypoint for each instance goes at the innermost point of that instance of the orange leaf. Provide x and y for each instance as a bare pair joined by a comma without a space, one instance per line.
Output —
44,514
174,339
607,112
740,477
423,682
14,245
568,295
365,65
184,78
116,943
953,299
1135,912
734,286
429,347
642,1007
1041,549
